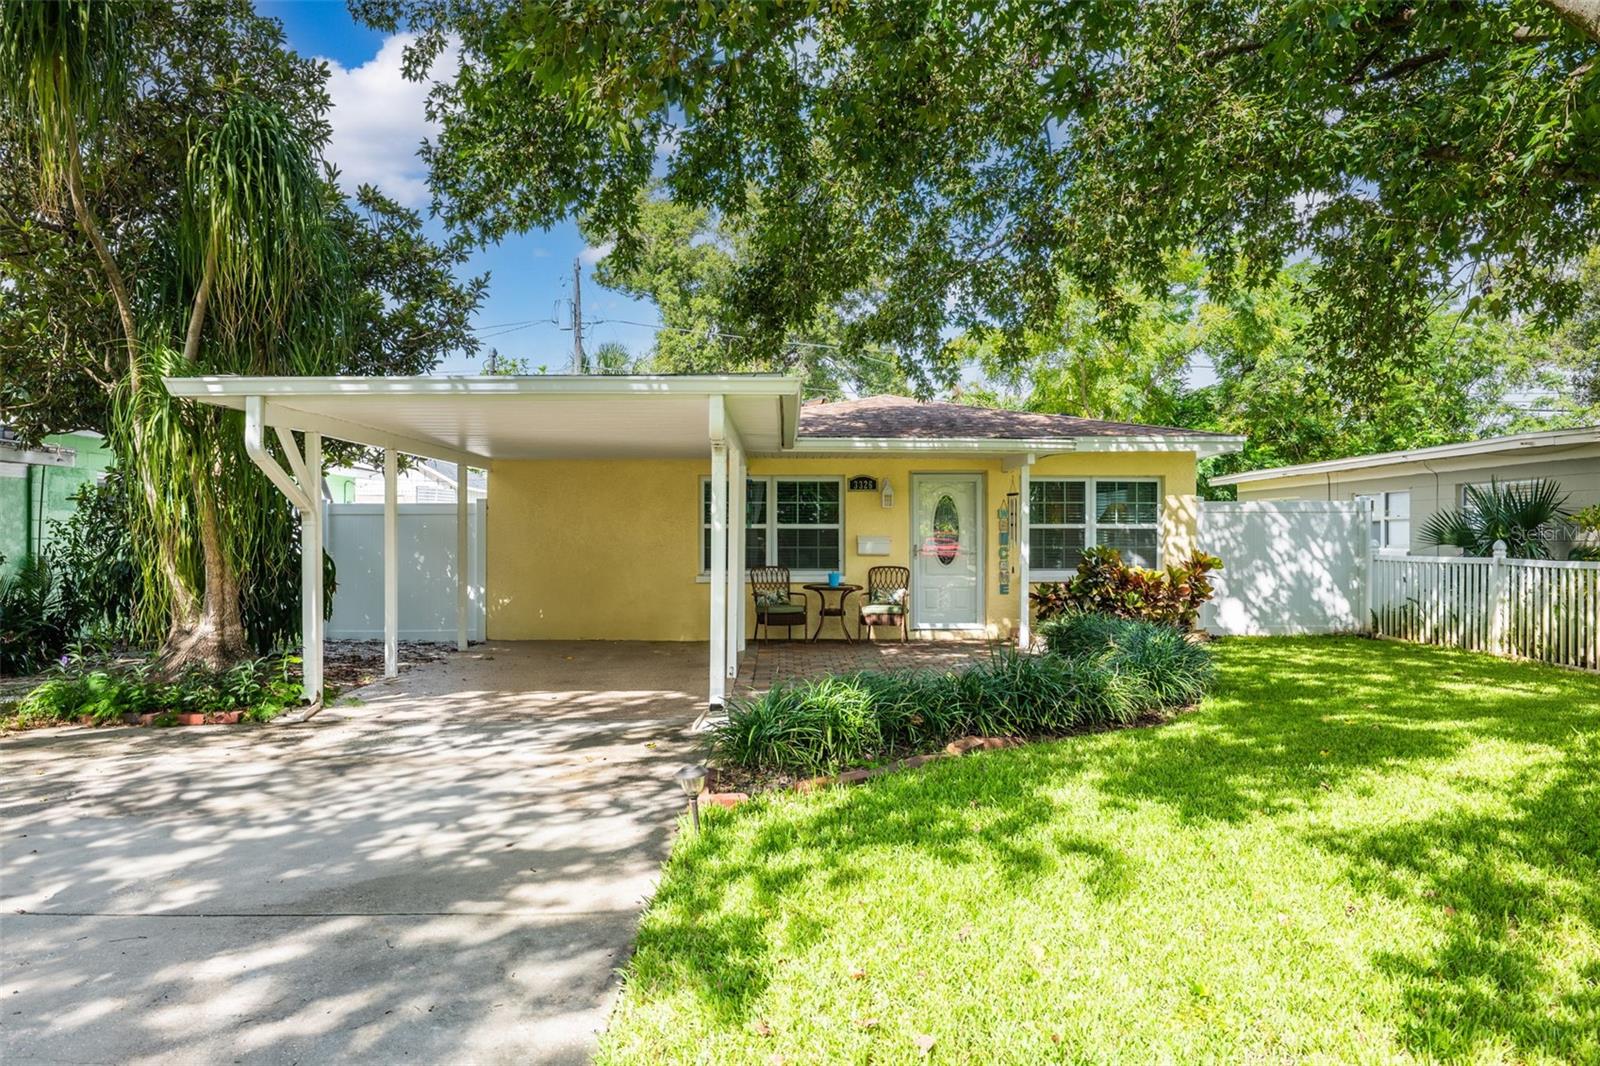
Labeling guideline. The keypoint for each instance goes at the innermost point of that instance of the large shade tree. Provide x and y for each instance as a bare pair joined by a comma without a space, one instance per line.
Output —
969,165
170,213
688,263
1247,364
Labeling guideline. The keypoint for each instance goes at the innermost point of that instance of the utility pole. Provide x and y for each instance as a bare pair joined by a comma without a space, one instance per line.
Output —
577,316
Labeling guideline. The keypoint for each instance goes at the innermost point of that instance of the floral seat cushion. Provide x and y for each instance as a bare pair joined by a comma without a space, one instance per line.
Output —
777,602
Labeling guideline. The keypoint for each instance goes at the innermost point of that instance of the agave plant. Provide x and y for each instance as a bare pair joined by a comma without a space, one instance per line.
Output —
1522,515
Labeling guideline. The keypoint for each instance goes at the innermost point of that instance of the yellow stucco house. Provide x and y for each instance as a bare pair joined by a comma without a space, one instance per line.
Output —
859,487
611,499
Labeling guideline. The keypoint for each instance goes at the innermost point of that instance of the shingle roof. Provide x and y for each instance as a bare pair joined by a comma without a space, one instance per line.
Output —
890,417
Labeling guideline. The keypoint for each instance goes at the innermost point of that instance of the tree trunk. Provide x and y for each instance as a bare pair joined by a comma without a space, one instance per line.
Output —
182,596
207,628
1581,15
212,635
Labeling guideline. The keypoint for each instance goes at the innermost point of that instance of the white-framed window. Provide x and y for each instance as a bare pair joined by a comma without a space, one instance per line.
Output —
1520,484
1391,519
797,522
1066,515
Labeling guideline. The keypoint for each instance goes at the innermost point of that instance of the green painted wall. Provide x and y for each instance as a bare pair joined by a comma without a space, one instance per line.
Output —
30,502
341,487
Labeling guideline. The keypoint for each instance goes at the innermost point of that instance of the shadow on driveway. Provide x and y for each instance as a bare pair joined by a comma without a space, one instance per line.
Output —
449,870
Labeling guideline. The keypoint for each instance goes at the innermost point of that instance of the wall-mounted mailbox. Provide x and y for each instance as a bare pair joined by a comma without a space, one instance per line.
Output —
872,545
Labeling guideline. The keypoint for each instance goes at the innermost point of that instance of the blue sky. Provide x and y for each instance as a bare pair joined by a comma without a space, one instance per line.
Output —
378,122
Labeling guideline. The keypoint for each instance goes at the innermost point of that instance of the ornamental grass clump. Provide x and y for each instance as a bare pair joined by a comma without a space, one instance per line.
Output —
805,727
1165,666
824,725
1079,633
1168,668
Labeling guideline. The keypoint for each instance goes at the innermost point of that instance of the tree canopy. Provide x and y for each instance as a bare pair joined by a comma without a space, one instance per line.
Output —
1246,364
689,264
166,210
967,166
401,307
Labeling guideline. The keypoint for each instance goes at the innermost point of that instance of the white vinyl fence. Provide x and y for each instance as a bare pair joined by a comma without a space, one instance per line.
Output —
427,541
1526,608
1300,566
1289,566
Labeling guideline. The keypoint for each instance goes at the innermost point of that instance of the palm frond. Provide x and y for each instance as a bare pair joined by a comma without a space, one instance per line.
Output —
256,225
1520,515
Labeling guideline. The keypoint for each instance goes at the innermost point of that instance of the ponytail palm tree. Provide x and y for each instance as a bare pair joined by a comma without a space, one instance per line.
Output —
63,69
1521,515
251,284
255,288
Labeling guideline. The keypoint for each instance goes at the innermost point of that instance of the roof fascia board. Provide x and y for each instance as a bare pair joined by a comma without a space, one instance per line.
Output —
49,455
213,388
1001,446
1561,438
1202,446
789,417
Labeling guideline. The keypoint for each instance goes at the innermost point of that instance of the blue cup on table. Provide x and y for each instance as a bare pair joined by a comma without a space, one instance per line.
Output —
834,577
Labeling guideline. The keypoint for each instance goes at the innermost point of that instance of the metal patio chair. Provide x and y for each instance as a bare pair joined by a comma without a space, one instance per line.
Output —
887,599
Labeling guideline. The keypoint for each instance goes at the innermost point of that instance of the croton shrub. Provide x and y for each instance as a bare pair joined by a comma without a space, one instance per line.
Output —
1106,585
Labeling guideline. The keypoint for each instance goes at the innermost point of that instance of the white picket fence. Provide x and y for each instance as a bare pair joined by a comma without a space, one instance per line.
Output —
1525,608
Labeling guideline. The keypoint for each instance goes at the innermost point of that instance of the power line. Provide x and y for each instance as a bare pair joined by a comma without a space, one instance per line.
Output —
872,354
499,325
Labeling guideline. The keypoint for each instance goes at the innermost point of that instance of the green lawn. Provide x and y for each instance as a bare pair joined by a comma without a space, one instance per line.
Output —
1352,852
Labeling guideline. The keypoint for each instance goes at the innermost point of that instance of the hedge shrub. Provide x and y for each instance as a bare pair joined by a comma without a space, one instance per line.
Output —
822,725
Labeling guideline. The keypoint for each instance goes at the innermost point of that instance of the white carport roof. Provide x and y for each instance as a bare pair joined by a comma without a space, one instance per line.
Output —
477,419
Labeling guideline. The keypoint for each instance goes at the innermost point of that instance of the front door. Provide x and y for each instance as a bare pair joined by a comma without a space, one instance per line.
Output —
947,542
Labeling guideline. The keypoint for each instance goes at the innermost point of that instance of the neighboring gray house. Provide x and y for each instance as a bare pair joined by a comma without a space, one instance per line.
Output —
1406,488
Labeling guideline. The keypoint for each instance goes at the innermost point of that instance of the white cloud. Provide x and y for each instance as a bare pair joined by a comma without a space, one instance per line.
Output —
593,253
379,120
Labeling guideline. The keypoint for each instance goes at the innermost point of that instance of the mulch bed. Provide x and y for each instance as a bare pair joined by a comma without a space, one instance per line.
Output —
351,664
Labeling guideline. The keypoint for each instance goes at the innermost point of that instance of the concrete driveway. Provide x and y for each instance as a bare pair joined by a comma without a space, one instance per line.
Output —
450,871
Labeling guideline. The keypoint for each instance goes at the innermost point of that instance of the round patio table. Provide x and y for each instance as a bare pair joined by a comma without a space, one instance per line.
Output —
838,611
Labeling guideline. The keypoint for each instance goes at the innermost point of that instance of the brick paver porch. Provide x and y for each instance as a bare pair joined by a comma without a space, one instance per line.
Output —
779,660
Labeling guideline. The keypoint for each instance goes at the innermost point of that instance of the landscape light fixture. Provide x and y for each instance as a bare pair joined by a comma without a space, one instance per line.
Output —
692,779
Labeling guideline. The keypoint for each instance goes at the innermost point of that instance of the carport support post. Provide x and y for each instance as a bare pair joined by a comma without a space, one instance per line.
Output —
719,552
735,626
462,567
311,591
391,567
303,491
741,565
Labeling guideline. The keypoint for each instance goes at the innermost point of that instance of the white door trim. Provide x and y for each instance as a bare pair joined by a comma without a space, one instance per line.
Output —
980,506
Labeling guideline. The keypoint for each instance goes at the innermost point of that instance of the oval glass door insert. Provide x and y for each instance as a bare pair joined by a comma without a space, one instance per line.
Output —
946,530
